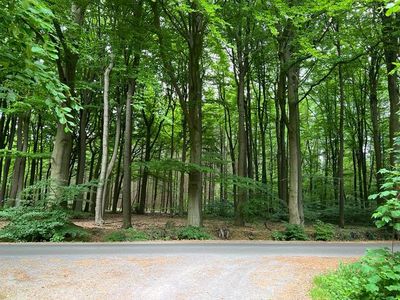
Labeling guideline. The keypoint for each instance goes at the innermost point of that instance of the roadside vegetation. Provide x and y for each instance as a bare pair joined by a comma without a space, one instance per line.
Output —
377,274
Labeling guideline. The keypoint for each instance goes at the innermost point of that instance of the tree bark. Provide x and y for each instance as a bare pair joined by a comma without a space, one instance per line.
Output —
375,117
391,51
81,157
126,191
242,144
18,174
182,173
7,162
114,155
62,149
295,172
145,173
280,108
195,43
341,135
104,154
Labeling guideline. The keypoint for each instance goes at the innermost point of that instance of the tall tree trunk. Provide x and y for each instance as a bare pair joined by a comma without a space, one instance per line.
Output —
295,171
376,133
114,155
248,117
4,128
391,50
60,157
195,43
295,189
91,171
341,135
126,191
20,161
104,154
7,162
34,161
242,143
172,149
145,173
229,135
280,109
182,173
194,36
81,157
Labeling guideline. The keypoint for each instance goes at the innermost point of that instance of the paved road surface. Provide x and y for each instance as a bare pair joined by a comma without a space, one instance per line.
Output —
346,249
210,270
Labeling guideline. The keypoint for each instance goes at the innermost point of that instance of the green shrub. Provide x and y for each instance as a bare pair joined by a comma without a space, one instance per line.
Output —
278,236
292,232
33,224
126,235
324,231
375,276
193,233
295,232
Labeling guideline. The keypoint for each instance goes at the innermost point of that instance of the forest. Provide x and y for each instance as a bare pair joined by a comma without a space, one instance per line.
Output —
246,109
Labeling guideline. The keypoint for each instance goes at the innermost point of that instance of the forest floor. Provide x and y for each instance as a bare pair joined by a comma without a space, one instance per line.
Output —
162,226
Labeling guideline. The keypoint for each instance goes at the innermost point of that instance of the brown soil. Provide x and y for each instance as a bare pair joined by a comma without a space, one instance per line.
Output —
253,231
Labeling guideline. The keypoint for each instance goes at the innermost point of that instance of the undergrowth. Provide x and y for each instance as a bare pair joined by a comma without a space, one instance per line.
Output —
36,224
292,232
375,276
126,235
324,231
193,233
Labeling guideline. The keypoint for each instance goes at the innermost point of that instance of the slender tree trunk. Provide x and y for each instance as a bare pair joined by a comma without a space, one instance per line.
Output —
242,144
104,154
114,155
280,108
295,188
4,128
355,194
81,157
248,123
229,135
391,50
126,192
34,162
20,161
118,180
7,163
341,136
182,173
375,118
93,195
91,170
170,175
145,173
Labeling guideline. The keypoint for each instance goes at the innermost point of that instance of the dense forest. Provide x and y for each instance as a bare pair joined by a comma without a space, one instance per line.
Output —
267,109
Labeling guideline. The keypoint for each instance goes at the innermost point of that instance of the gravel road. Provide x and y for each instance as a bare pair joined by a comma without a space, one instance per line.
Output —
232,270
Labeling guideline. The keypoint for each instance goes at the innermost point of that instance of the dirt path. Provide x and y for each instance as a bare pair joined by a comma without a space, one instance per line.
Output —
161,277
